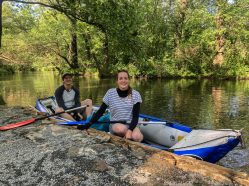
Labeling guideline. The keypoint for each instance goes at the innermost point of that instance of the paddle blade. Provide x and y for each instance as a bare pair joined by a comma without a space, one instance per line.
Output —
18,124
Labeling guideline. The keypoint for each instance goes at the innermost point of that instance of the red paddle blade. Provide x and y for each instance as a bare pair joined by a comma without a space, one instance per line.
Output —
18,124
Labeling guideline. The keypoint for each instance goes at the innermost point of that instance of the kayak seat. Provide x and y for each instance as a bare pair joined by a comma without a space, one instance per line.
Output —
50,107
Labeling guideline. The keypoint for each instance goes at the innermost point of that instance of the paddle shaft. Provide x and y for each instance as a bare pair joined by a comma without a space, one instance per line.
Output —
29,121
58,113
73,123
139,122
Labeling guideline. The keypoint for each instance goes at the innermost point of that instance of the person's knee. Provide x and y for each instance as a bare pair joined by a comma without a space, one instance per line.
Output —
87,102
120,130
58,109
137,136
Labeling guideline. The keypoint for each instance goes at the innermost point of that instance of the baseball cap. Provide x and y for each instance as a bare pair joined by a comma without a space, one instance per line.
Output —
66,74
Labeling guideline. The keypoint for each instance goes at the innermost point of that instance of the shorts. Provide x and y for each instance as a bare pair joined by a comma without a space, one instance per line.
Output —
75,115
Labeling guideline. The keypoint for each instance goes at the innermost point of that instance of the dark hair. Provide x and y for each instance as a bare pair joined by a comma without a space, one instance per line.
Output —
66,74
129,87
122,71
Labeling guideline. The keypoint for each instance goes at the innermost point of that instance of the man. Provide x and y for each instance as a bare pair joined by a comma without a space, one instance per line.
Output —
67,97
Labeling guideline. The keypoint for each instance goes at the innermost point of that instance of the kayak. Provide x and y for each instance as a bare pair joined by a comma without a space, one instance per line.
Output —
48,106
203,144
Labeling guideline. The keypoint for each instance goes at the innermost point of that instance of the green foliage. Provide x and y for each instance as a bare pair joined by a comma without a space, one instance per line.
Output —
6,69
153,38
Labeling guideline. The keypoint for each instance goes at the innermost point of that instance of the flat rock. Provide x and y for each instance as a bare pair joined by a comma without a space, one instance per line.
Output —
49,154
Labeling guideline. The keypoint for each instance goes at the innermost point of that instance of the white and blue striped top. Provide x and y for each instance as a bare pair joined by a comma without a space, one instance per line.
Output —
121,107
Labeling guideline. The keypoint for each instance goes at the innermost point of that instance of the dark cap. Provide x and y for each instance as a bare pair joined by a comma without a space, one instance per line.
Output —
66,74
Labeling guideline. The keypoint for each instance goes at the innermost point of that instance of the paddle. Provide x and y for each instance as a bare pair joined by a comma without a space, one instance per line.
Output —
74,123
29,121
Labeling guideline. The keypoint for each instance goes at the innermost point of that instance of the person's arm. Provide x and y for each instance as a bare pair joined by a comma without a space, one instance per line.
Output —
99,113
95,117
58,96
135,116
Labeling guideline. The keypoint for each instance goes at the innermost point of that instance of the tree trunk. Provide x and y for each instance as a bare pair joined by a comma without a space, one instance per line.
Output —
104,68
1,25
220,41
73,52
87,39
179,25
73,49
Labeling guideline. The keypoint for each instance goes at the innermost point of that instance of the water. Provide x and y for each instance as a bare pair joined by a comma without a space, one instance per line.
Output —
197,103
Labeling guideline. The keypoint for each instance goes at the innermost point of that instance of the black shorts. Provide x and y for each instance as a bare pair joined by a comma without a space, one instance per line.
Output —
75,115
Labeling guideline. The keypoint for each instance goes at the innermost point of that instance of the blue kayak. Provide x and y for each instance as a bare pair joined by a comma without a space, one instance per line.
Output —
204,144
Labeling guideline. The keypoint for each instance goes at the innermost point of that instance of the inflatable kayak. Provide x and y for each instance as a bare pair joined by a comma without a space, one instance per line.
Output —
204,144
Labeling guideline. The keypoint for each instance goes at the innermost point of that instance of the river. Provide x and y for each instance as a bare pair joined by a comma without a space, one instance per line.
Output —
209,104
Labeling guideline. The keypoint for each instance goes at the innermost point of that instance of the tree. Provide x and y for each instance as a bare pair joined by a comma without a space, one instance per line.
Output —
151,38
1,7
220,38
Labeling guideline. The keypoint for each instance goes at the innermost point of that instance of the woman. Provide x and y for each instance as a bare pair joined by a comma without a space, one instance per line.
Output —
124,104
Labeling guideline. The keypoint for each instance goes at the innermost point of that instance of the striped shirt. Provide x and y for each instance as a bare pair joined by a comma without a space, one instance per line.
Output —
121,107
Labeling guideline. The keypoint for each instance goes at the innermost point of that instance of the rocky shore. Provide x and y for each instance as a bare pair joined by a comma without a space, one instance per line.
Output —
48,154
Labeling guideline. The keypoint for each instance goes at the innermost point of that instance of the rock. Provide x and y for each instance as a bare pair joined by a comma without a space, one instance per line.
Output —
49,154
100,165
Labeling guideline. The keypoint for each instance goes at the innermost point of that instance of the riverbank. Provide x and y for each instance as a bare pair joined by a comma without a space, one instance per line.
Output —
48,154
92,73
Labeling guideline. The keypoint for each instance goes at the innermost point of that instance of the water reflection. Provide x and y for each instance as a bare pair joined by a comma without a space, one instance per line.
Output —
234,107
2,102
23,89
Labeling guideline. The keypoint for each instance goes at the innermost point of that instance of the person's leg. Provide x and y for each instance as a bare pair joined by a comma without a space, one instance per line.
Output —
64,115
137,135
119,129
89,108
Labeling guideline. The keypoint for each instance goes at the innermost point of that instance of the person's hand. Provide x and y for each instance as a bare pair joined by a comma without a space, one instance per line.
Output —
85,126
81,117
128,134
59,109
